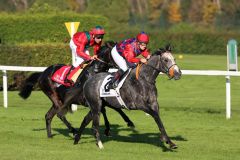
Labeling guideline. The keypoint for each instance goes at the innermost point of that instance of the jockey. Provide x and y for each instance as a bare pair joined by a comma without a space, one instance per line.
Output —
80,43
125,55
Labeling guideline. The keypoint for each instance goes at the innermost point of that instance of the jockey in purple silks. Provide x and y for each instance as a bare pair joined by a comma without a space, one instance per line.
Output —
125,55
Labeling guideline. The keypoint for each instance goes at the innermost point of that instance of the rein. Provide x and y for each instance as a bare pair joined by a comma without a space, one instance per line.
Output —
101,60
110,58
165,68
138,70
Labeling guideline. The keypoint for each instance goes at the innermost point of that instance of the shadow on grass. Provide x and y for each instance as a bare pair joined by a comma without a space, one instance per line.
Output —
196,110
132,137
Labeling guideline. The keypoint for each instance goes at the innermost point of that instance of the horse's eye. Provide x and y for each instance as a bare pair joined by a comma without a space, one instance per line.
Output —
166,60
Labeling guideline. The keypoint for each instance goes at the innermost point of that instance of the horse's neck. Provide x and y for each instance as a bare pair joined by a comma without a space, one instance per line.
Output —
148,72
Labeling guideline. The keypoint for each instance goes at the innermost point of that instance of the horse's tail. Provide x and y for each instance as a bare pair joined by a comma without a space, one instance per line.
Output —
27,87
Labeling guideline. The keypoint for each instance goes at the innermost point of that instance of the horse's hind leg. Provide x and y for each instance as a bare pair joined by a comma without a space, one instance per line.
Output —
48,117
56,107
87,119
125,117
61,115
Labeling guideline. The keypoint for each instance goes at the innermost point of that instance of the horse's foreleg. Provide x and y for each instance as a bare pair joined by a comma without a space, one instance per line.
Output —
153,110
87,119
164,137
48,117
61,115
107,125
125,117
95,128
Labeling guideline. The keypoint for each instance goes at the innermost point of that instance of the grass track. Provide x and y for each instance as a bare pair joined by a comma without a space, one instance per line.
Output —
192,109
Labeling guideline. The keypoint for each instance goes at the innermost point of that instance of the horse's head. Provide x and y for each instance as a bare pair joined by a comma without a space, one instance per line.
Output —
104,61
167,63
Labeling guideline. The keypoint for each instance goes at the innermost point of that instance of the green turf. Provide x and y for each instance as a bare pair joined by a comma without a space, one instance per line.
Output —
192,109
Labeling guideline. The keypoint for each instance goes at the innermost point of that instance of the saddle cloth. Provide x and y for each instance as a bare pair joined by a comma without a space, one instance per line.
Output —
113,92
60,75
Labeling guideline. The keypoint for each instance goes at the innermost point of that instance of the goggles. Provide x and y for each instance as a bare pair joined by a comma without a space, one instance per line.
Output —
99,36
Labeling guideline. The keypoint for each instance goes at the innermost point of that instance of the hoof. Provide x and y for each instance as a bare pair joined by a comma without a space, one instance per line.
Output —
50,136
107,133
76,139
74,132
173,146
100,145
130,124
75,142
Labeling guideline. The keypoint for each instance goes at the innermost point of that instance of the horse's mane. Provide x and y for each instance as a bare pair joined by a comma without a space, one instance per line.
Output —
107,45
159,51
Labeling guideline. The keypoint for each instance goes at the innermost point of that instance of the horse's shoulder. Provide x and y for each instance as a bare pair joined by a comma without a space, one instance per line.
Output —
102,74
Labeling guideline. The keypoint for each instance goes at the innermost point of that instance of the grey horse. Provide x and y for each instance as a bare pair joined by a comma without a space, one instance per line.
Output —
138,94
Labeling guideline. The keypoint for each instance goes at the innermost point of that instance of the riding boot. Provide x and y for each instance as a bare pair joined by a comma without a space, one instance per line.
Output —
115,80
66,79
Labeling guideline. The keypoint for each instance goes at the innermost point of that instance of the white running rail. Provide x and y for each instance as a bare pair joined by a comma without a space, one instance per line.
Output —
227,74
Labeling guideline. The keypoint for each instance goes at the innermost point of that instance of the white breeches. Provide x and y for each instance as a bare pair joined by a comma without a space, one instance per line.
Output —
77,60
119,60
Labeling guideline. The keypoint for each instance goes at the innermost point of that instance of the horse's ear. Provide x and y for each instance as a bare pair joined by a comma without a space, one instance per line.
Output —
168,47
161,50
110,44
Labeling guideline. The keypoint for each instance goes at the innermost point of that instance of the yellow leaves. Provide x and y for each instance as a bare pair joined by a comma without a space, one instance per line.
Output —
210,10
174,13
156,7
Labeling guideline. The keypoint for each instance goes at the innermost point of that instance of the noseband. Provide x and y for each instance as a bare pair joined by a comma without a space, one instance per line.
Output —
165,67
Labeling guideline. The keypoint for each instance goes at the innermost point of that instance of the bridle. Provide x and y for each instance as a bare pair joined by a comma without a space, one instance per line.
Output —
165,67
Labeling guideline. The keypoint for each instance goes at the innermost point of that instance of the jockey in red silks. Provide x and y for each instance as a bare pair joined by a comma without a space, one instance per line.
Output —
80,43
125,55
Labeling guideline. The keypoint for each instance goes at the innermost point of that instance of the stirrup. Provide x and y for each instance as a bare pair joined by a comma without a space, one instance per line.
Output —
110,85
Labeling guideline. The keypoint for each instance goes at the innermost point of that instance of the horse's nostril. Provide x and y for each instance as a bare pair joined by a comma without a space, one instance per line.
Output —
177,74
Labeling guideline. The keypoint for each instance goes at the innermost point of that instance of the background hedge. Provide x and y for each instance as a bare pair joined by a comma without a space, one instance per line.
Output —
35,54
43,28
195,43
42,40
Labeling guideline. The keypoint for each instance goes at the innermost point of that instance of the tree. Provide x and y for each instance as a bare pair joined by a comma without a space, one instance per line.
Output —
195,11
174,12
77,5
155,8
210,10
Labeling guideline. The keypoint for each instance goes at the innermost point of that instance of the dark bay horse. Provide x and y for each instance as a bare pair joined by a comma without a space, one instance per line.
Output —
70,95
138,94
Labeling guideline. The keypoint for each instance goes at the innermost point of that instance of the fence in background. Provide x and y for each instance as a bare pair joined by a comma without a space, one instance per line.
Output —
227,74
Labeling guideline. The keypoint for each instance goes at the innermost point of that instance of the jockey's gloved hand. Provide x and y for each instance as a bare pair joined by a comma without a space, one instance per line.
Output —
148,57
143,60
94,57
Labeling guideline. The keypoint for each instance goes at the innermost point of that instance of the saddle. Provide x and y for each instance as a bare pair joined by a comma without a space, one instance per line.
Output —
113,92
62,73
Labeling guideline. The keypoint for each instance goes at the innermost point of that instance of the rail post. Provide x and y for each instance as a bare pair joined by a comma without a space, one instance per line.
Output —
228,97
5,96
